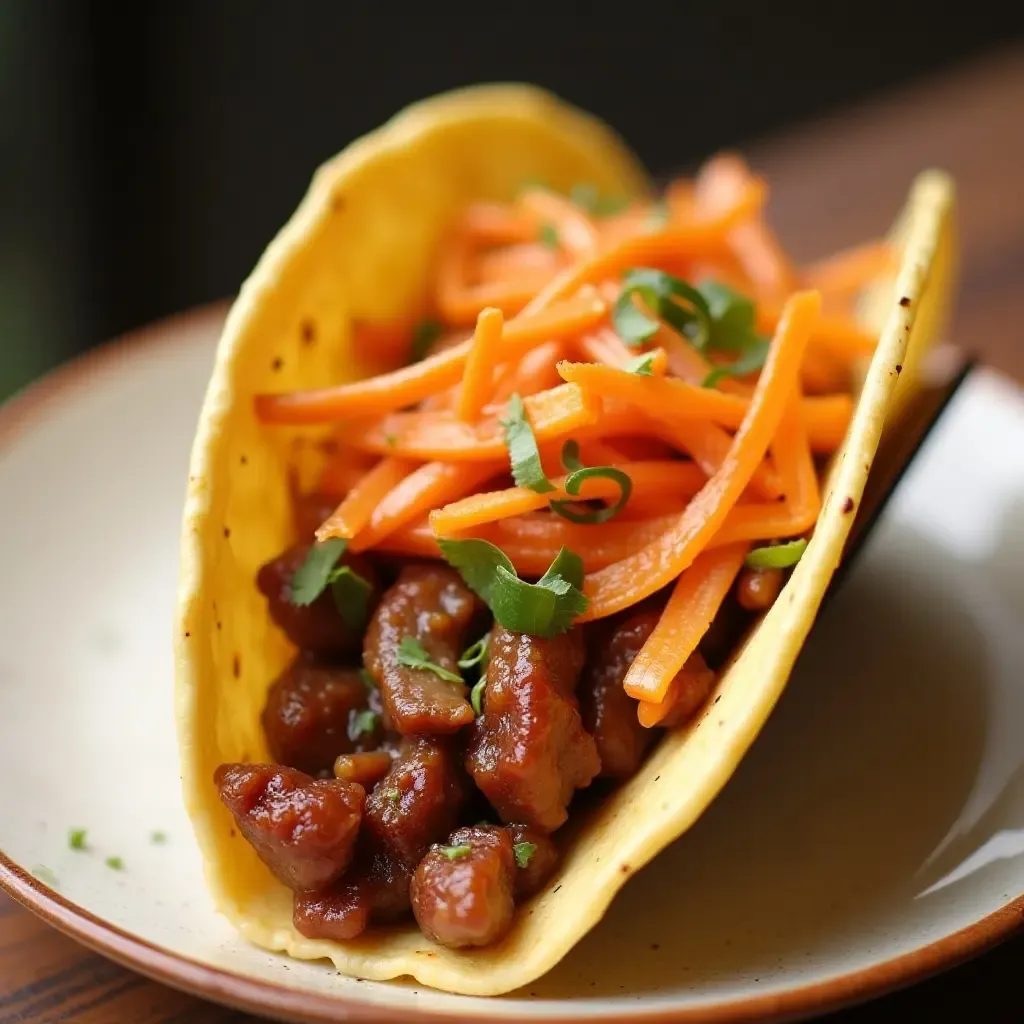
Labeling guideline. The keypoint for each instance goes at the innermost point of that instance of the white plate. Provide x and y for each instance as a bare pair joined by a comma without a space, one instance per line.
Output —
874,833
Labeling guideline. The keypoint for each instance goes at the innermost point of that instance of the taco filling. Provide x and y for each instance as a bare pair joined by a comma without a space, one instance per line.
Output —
585,467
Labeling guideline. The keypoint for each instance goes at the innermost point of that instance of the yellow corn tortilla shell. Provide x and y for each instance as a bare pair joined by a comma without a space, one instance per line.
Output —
360,246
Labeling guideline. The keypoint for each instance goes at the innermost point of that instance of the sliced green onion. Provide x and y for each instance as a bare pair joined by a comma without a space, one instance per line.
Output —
576,513
523,852
545,608
476,696
413,654
363,722
524,457
455,852
750,361
158,837
475,654
116,863
312,577
76,838
777,556
642,364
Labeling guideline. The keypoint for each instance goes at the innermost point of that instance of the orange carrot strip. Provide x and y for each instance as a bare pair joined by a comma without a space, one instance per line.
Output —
623,584
697,238
476,380
412,384
826,417
343,471
574,229
791,453
693,679
764,262
439,436
460,303
706,443
535,372
497,224
423,489
358,505
681,479
515,260
696,598
844,273
838,335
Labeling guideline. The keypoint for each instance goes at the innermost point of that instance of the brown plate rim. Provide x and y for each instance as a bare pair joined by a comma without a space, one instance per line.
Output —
262,997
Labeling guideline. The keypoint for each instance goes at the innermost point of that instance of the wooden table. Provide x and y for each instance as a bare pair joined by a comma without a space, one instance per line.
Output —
856,167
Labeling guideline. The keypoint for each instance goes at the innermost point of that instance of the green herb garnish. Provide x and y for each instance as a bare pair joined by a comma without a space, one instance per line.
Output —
76,838
523,852
115,863
548,235
362,722
351,592
545,608
476,696
158,837
413,654
423,338
777,556
524,457
392,794
642,364
475,654
574,481
313,576
454,852
712,317
666,298
368,681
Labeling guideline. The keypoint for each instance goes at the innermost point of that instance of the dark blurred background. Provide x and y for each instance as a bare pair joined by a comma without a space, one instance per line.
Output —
151,150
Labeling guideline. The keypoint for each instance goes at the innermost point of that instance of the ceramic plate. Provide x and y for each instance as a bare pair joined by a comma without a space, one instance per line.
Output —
874,833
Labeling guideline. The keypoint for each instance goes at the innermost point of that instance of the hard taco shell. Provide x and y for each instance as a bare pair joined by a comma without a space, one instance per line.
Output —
360,246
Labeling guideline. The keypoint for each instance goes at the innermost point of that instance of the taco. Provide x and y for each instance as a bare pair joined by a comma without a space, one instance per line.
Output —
515,493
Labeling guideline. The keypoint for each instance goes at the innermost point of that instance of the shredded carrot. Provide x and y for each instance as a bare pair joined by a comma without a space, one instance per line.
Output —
678,479
358,505
623,584
695,600
419,492
766,266
850,270
476,381
536,371
826,417
703,237
524,294
439,435
572,228
413,383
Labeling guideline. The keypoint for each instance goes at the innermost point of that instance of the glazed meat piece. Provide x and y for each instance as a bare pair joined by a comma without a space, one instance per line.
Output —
429,604
303,829
609,713
376,891
419,801
317,628
688,691
314,713
536,859
462,892
529,751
